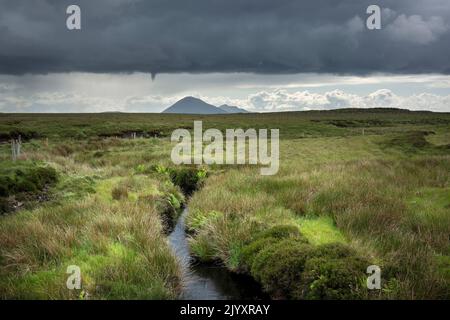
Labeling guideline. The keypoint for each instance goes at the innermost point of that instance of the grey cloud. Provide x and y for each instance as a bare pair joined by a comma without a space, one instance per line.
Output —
259,36
417,30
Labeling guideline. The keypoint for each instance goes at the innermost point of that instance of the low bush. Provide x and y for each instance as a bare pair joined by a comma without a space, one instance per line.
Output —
6,186
188,179
332,279
27,180
4,205
334,271
43,176
250,251
266,238
334,251
279,266
291,268
24,185
15,133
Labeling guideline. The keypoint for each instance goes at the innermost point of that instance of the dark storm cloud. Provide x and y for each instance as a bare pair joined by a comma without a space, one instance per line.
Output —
262,36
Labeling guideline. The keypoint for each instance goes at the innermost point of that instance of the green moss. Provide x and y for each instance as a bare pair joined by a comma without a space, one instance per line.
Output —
104,188
39,285
320,230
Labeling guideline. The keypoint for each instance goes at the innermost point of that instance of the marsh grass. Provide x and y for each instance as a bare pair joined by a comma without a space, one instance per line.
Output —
103,218
393,211
119,247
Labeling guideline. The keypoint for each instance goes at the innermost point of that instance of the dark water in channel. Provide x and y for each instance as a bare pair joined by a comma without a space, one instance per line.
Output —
209,282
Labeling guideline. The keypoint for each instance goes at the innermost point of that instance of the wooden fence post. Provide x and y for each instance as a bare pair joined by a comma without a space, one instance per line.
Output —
16,145
13,149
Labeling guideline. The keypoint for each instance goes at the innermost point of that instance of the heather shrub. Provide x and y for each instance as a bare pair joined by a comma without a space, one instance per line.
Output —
279,266
332,278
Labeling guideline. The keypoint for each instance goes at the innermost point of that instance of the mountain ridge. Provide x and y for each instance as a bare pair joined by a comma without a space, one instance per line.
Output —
232,109
191,105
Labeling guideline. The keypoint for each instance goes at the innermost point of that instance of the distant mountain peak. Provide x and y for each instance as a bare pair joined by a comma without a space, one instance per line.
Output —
190,98
192,105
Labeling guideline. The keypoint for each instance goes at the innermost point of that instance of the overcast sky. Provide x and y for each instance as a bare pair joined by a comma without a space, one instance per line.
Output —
263,55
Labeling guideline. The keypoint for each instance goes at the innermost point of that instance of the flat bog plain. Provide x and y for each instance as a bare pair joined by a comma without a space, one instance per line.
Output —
355,188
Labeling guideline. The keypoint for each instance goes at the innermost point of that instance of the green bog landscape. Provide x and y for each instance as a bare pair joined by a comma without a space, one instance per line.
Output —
99,191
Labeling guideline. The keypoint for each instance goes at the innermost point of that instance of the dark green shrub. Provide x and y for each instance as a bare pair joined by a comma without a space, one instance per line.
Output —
19,173
250,251
332,278
266,238
28,180
4,205
279,267
24,185
188,179
6,186
16,133
334,251
41,177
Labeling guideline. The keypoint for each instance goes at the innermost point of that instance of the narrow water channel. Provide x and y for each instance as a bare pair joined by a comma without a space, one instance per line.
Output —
209,282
